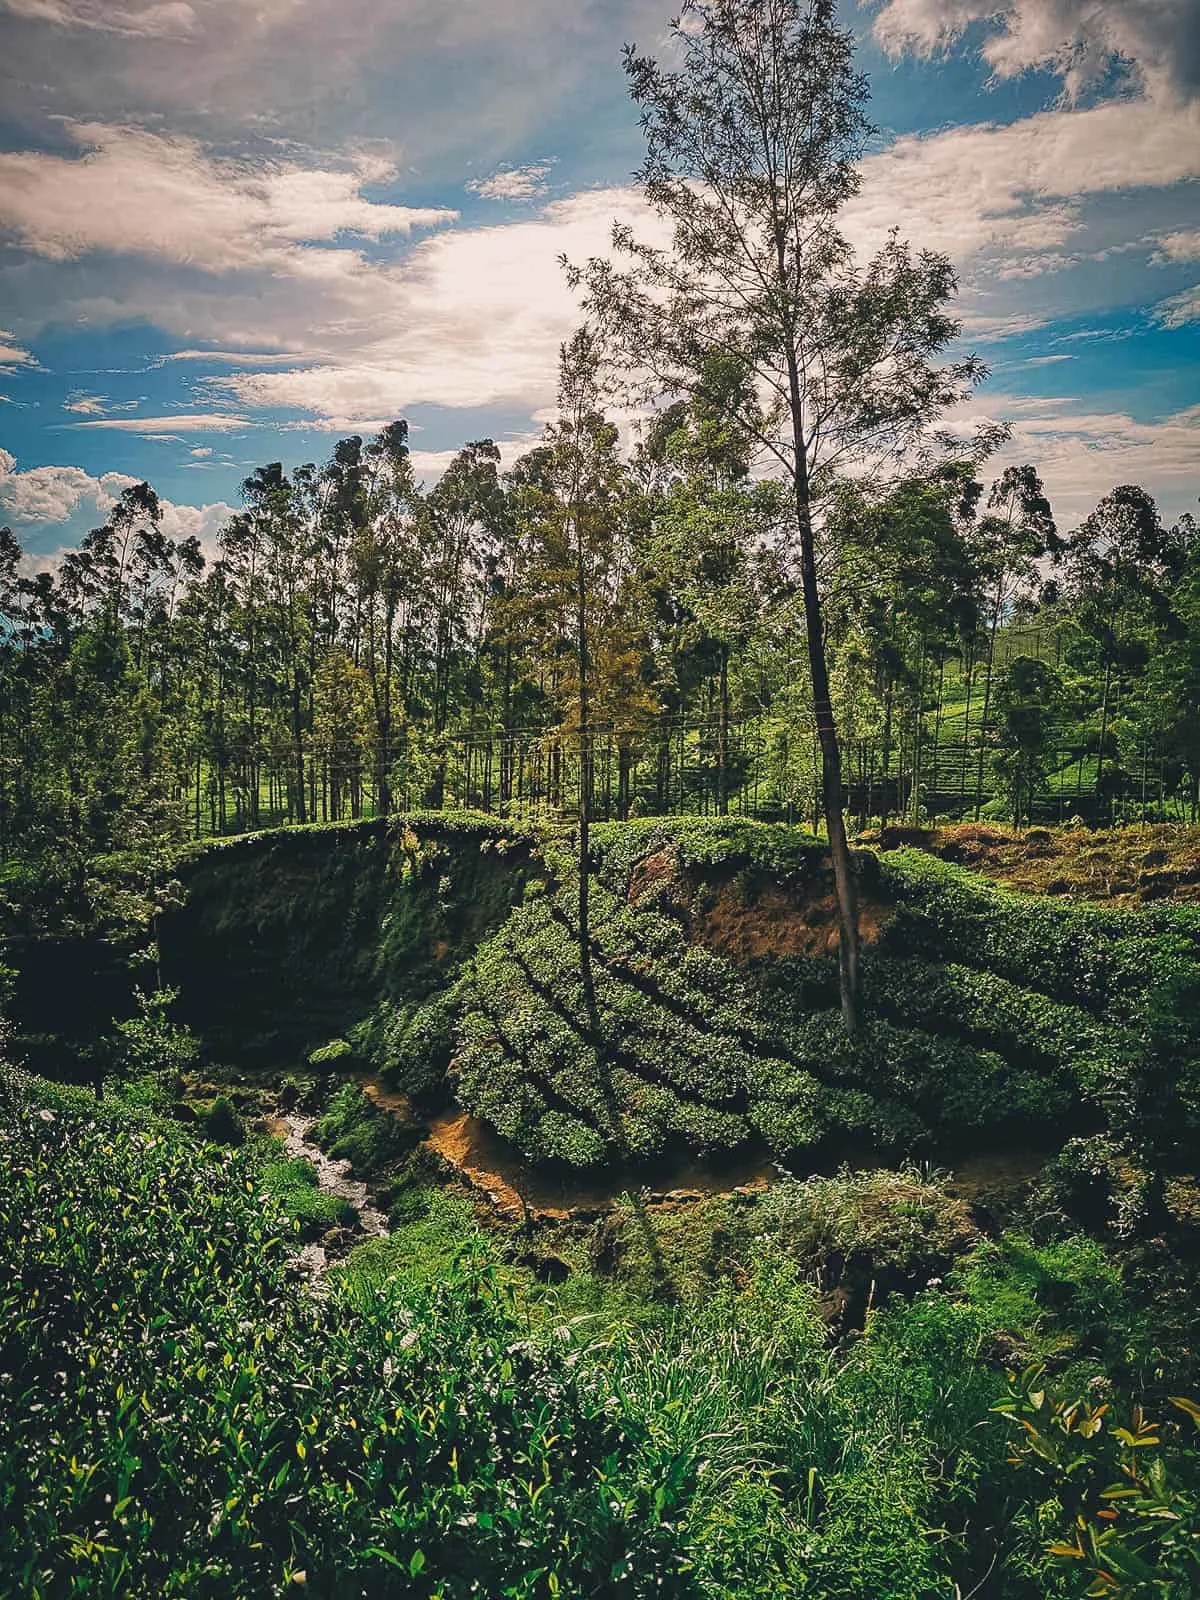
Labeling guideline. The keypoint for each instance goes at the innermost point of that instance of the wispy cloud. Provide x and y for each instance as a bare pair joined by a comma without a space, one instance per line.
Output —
159,427
1082,454
514,183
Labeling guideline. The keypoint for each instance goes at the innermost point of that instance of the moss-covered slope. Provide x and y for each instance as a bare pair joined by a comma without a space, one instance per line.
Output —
289,939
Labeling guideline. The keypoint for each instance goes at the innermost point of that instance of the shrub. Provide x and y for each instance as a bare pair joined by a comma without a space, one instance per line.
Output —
292,1183
353,1129
222,1124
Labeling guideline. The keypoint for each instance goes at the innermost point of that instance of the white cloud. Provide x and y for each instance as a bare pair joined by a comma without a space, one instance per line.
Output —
1183,246
1016,190
200,522
1180,309
12,355
161,19
162,196
45,497
159,427
236,358
201,453
469,319
461,78
1077,39
1048,361
513,183
53,494
86,405
1081,455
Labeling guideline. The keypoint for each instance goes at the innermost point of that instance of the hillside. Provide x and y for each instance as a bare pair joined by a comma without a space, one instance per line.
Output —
441,958
405,1272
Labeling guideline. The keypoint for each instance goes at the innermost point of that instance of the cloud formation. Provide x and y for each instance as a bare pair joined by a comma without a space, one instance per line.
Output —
513,183
53,494
1076,39
12,355
45,497
187,422
1083,454
133,192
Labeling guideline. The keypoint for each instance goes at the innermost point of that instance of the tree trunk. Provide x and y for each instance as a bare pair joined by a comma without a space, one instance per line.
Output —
831,756
585,785
987,701
723,738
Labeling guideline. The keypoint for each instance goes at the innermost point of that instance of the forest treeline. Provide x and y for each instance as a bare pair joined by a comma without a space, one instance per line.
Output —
358,643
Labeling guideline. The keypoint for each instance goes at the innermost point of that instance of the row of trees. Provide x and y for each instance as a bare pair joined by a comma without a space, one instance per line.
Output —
354,633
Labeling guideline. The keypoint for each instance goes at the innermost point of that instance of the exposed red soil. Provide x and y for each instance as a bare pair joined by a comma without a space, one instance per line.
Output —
1128,866
485,1163
750,914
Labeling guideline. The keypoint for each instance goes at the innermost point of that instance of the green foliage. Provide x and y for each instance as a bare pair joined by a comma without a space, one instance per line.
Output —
292,1184
327,1055
1121,1500
183,1419
982,1009
149,1044
437,1232
353,1129
180,1421
291,939
1065,1301
222,1124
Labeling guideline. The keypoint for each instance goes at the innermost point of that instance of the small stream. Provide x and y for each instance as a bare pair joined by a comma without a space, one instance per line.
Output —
333,1177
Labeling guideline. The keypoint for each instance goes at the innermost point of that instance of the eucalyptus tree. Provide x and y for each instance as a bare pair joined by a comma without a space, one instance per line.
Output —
752,149
465,511
1015,540
1121,563
385,563
707,529
1029,696
907,595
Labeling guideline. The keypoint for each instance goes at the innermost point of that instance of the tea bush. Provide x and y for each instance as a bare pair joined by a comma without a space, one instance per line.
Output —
982,1009
181,1420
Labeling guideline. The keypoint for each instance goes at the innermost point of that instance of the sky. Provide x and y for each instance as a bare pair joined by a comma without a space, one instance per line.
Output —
233,231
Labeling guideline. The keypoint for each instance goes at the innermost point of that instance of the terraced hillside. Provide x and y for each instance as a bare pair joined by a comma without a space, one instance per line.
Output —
716,1017
442,954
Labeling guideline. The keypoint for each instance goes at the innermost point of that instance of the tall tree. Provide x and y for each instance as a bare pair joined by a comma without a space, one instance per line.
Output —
752,145
1120,562
574,489
1013,540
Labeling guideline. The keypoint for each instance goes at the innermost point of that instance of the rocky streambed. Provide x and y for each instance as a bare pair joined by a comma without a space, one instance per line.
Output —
333,1178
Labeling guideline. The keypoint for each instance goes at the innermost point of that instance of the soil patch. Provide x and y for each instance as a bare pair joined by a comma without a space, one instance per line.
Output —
486,1164
1126,866
748,914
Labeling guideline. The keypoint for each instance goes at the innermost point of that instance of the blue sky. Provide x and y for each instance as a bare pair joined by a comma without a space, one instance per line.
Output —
231,232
